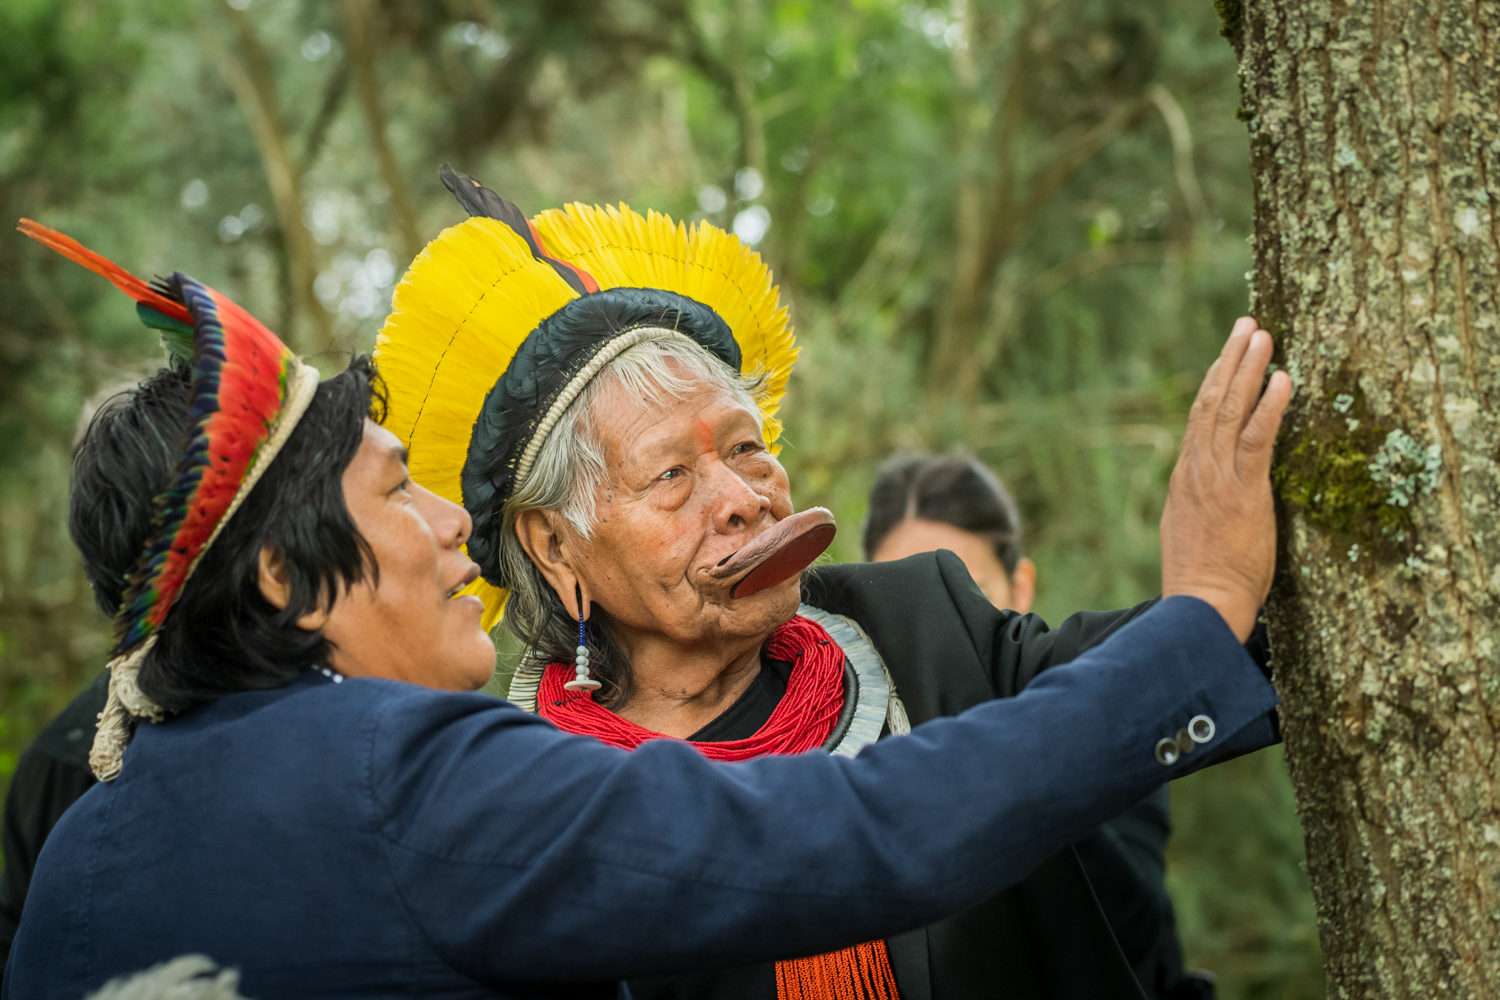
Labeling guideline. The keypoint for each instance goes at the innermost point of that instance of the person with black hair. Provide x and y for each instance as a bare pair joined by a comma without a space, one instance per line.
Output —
1105,894
297,782
924,503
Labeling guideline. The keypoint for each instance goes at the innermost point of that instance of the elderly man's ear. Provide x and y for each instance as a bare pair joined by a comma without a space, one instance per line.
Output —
276,588
1023,586
552,551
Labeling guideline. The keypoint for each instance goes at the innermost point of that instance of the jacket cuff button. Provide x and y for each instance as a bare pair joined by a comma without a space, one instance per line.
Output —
1166,752
1201,728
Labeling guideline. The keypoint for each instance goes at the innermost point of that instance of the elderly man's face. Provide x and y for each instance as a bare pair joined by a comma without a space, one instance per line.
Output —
690,482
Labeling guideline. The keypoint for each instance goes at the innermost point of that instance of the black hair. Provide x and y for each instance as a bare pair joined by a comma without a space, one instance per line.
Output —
120,463
222,635
951,489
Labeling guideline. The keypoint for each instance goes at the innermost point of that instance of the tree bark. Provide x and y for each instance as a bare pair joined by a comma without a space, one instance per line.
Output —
1375,148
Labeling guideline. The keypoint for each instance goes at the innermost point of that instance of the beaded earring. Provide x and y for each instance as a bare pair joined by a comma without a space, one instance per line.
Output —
581,680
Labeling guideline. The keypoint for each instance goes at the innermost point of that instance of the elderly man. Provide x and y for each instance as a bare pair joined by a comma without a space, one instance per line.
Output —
294,783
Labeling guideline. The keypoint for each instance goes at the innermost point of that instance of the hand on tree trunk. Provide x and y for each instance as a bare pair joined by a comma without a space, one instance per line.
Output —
1218,530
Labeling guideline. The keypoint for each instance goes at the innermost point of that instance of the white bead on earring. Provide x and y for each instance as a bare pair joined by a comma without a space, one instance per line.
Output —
581,680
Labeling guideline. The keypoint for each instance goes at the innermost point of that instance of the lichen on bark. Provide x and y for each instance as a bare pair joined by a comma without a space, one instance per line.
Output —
1326,474
1375,149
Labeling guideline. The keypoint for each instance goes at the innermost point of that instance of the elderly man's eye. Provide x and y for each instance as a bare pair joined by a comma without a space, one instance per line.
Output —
673,473
747,447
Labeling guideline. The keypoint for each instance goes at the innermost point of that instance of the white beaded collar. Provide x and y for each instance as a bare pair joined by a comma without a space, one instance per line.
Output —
876,704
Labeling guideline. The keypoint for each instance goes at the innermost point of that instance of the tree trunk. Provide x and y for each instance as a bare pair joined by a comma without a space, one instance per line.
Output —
1375,147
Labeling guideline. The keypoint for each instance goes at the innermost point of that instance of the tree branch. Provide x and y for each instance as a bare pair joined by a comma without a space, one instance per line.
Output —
1182,149
317,132
248,73
727,72
361,38
1046,181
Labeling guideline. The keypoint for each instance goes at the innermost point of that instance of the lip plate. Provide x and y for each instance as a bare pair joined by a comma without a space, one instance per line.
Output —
790,557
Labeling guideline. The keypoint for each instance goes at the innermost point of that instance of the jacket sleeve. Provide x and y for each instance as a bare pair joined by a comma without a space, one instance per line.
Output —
1018,647
522,853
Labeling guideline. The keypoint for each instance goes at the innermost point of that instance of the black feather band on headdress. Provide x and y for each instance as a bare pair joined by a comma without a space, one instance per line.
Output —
546,363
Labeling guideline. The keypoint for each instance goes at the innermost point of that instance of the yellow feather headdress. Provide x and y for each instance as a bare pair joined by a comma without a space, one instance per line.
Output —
476,293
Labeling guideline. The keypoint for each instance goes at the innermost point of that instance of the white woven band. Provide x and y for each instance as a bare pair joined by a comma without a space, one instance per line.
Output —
616,347
126,701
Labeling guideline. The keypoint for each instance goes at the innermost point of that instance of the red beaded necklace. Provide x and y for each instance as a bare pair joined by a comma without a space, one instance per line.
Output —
801,721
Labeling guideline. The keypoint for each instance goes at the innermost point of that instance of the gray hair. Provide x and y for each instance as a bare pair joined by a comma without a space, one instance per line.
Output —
567,476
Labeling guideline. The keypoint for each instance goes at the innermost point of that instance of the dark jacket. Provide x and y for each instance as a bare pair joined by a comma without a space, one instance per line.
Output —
50,776
373,838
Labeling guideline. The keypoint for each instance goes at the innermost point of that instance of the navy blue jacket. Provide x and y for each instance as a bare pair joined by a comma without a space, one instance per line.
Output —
373,838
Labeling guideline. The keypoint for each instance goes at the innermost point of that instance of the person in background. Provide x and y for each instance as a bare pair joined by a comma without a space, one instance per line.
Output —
921,503
50,776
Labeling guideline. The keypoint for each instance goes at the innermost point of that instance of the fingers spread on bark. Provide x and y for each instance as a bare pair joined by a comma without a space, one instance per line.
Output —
1216,381
1218,527
1242,391
1258,440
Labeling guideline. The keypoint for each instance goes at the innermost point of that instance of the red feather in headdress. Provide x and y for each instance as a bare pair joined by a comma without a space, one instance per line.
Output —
240,375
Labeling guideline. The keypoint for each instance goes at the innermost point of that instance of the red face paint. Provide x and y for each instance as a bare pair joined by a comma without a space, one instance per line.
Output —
704,434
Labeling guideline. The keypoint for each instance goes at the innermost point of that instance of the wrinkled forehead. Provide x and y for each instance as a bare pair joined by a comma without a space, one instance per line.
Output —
638,422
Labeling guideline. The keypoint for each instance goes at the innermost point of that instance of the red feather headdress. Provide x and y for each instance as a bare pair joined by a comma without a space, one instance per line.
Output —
248,392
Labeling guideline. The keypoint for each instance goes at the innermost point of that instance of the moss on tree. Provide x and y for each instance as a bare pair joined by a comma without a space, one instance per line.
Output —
1330,475
1231,21
1377,249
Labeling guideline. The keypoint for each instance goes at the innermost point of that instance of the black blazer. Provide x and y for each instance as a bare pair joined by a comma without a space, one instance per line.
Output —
1047,937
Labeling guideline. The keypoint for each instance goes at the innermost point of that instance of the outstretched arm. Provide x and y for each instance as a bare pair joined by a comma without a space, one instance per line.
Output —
525,853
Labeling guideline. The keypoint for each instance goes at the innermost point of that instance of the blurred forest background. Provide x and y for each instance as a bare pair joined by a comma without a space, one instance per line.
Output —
1012,226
